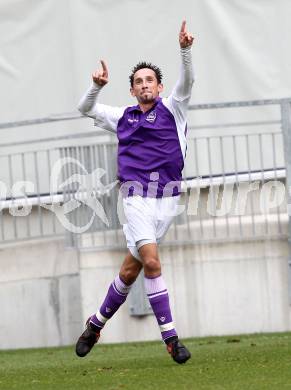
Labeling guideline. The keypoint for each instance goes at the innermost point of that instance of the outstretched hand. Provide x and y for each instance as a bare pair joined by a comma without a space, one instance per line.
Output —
100,77
186,39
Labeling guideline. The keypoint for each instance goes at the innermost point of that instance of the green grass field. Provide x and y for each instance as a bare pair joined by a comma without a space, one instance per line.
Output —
240,362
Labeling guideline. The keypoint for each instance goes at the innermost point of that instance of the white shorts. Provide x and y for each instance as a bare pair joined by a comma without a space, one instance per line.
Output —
147,219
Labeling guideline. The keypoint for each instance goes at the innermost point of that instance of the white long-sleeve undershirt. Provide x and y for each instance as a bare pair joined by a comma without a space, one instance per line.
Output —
182,89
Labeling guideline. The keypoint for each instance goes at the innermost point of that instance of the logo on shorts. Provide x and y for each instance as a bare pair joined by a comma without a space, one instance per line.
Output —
108,310
151,116
162,319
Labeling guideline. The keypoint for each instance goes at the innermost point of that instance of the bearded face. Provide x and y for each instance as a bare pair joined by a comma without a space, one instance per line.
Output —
145,86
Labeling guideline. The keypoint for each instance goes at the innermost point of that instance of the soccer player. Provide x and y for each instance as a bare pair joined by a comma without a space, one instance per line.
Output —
151,152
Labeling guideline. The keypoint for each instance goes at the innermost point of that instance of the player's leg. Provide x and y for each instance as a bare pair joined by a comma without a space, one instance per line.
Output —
157,292
147,222
115,297
158,296
117,292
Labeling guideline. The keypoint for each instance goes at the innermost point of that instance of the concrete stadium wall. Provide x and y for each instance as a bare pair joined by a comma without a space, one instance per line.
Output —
39,295
47,293
215,289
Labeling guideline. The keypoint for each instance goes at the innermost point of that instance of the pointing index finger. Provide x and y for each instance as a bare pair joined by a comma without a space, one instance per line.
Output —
183,27
104,67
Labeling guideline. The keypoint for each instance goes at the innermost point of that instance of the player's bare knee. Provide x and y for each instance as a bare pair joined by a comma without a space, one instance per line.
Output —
128,276
129,273
151,264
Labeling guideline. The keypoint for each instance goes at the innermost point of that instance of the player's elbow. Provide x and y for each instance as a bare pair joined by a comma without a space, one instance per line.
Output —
192,78
82,109
86,111
190,82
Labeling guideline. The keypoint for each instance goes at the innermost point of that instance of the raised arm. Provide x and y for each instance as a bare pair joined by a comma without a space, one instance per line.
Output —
183,88
178,100
104,116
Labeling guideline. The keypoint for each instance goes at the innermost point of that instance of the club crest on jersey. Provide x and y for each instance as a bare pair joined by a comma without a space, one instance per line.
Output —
151,116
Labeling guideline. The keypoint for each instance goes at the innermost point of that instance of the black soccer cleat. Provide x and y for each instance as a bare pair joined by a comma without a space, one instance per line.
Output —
178,351
87,340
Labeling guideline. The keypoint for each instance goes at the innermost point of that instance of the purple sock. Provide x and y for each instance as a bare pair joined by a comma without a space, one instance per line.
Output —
115,297
159,299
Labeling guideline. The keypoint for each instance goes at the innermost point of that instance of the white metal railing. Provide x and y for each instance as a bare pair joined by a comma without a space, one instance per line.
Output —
244,151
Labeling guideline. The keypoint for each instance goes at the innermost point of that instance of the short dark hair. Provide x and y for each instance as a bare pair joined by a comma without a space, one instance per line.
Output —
143,65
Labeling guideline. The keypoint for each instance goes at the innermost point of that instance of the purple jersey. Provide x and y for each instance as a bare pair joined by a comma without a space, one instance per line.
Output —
149,143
